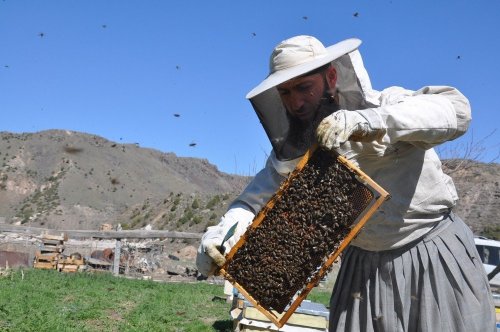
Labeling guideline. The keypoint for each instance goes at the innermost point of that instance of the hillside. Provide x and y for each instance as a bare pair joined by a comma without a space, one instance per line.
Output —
72,180
478,187
63,179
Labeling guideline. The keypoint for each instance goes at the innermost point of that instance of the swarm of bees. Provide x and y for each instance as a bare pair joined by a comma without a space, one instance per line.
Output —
305,226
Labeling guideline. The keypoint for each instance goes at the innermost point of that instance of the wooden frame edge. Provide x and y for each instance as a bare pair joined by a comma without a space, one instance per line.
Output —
383,196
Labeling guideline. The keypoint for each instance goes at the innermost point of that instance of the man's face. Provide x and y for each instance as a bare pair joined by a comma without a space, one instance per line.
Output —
302,95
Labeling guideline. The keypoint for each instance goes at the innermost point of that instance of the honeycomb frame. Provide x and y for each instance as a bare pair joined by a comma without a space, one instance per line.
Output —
362,211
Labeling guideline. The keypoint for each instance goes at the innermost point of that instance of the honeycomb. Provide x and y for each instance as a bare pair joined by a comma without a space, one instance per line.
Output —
302,226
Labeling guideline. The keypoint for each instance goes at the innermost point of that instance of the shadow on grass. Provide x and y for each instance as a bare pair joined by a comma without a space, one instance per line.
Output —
223,325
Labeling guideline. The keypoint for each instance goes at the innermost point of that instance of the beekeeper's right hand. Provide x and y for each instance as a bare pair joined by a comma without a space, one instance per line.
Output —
209,256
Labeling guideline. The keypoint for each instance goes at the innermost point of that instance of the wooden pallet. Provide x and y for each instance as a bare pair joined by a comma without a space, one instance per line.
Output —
53,243
61,238
52,248
68,267
46,260
50,251
68,264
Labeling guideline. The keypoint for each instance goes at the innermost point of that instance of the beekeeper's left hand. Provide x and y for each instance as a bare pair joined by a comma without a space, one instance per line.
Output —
343,126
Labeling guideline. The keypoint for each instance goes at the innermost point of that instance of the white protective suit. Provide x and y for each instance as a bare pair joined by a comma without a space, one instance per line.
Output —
402,162
414,264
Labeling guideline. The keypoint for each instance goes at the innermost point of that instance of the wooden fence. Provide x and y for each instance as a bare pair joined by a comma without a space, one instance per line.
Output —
91,234
128,234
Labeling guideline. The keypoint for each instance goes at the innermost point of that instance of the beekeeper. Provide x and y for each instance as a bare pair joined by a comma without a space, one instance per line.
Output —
414,266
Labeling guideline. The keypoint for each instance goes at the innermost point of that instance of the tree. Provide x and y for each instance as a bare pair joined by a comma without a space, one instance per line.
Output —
462,156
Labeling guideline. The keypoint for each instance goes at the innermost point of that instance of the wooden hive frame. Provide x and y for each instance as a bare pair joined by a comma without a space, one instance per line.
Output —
380,195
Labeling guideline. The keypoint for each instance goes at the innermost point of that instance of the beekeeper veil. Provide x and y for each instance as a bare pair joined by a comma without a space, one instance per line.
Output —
298,56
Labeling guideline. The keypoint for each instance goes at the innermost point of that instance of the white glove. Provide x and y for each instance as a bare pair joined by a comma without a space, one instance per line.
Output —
204,261
209,257
343,126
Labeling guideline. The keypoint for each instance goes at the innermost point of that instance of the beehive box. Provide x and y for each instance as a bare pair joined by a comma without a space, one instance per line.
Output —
309,316
297,236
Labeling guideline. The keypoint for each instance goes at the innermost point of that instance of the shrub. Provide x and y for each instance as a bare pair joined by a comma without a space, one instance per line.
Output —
195,205
197,219
213,202
492,232
211,223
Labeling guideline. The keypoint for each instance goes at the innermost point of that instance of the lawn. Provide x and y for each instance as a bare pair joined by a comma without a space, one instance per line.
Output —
47,300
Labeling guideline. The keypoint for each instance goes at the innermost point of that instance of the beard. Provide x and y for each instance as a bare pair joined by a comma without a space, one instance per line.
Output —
302,134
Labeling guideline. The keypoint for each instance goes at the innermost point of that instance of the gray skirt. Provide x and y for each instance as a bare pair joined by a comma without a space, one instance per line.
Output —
436,283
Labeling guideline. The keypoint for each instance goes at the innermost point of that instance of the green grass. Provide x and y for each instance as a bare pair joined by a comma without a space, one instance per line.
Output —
47,300
320,296
53,301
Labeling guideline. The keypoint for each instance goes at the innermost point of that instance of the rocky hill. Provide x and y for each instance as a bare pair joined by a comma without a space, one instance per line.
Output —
478,187
71,180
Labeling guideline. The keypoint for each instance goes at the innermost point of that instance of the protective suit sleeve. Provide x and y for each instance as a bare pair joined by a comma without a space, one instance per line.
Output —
342,126
425,118
260,189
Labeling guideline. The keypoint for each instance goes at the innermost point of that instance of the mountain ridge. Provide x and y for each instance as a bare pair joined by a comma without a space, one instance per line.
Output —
68,179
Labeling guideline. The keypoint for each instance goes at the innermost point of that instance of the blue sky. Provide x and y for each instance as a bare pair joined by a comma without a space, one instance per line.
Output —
122,69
